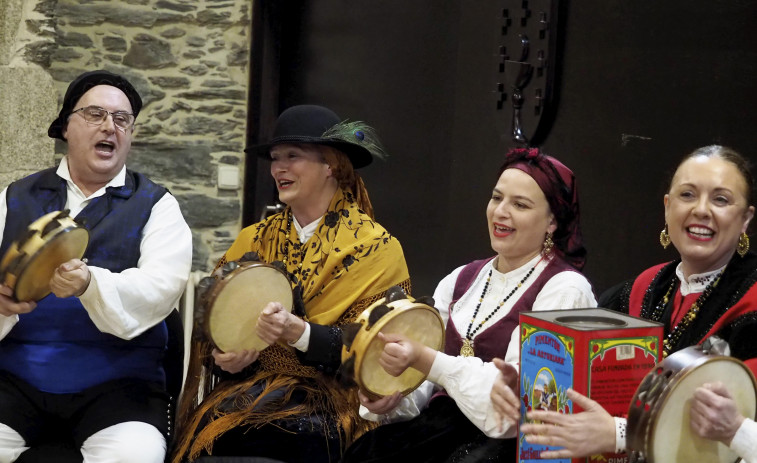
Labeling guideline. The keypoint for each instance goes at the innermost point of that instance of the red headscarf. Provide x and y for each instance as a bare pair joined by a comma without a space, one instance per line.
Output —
558,183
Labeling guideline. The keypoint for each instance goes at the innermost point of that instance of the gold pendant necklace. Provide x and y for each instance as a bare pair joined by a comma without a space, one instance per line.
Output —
467,349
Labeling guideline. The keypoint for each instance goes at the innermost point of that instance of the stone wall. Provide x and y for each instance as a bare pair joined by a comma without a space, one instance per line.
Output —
187,58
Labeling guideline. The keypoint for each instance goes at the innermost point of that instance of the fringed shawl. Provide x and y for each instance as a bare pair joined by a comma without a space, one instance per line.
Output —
348,264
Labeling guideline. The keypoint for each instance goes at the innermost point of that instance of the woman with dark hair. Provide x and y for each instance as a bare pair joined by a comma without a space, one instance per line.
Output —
709,291
284,402
533,222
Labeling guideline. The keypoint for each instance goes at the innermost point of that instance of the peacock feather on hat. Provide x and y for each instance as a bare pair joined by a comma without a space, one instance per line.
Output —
358,133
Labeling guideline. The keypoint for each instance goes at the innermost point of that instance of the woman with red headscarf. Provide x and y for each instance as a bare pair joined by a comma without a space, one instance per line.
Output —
533,223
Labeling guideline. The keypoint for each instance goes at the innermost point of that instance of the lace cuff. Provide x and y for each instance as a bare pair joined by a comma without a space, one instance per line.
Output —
620,434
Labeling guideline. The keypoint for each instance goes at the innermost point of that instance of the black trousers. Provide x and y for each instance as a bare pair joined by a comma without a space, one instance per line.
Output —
37,416
440,434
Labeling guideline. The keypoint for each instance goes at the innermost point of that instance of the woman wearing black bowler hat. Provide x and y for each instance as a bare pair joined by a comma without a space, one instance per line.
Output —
284,401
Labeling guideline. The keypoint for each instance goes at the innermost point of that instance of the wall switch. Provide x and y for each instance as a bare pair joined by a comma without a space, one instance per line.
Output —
228,177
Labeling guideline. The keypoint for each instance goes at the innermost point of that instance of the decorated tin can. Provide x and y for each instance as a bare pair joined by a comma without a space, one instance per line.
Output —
597,352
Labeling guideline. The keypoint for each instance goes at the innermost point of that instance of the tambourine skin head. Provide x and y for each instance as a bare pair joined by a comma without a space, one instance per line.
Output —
235,302
28,269
419,322
660,411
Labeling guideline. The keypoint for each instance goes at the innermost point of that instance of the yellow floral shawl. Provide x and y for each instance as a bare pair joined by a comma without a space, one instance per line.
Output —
349,258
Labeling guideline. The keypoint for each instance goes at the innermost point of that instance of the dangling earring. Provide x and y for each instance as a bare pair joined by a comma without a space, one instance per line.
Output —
665,237
548,245
743,247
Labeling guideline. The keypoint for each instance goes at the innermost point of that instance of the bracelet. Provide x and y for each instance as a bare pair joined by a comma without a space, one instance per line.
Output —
620,434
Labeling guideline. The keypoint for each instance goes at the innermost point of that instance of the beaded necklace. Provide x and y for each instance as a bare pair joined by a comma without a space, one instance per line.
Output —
467,349
672,338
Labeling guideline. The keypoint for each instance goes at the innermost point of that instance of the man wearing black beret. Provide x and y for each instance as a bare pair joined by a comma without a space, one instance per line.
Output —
86,360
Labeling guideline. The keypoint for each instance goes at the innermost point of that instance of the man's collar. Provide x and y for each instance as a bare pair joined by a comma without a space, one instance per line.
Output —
118,181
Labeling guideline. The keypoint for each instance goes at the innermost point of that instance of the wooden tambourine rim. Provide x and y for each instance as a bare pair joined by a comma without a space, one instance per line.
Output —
642,425
208,301
52,238
365,337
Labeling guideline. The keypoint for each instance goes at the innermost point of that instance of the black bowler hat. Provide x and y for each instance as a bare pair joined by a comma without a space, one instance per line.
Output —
82,85
321,126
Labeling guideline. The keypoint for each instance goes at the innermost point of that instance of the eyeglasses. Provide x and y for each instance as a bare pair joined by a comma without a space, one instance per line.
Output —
96,115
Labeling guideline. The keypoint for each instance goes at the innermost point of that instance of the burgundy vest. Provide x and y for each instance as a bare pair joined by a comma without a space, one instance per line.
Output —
493,341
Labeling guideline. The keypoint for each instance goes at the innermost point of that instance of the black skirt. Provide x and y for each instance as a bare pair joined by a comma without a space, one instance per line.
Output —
313,439
440,434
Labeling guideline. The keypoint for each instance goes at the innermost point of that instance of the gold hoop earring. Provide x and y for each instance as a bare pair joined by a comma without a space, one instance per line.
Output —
665,237
548,245
743,247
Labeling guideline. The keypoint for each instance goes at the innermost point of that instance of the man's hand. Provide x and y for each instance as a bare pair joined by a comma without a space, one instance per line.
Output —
9,307
70,279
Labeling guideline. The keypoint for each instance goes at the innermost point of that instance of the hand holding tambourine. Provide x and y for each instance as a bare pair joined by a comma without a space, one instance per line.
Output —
9,306
29,264
382,405
230,303
277,324
659,428
400,322
274,324
400,353
70,278
234,362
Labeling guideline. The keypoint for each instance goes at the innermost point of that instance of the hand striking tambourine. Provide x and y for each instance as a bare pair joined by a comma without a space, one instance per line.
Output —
659,429
228,306
30,262
396,313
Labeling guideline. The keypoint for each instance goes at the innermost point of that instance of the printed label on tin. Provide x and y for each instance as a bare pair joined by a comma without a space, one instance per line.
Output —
546,373
617,366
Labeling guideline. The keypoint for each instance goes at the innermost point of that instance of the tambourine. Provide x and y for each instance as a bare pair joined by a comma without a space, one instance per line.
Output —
30,261
659,429
397,313
228,306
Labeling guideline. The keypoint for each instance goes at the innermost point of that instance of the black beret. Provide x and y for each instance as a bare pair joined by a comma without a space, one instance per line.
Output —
82,85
